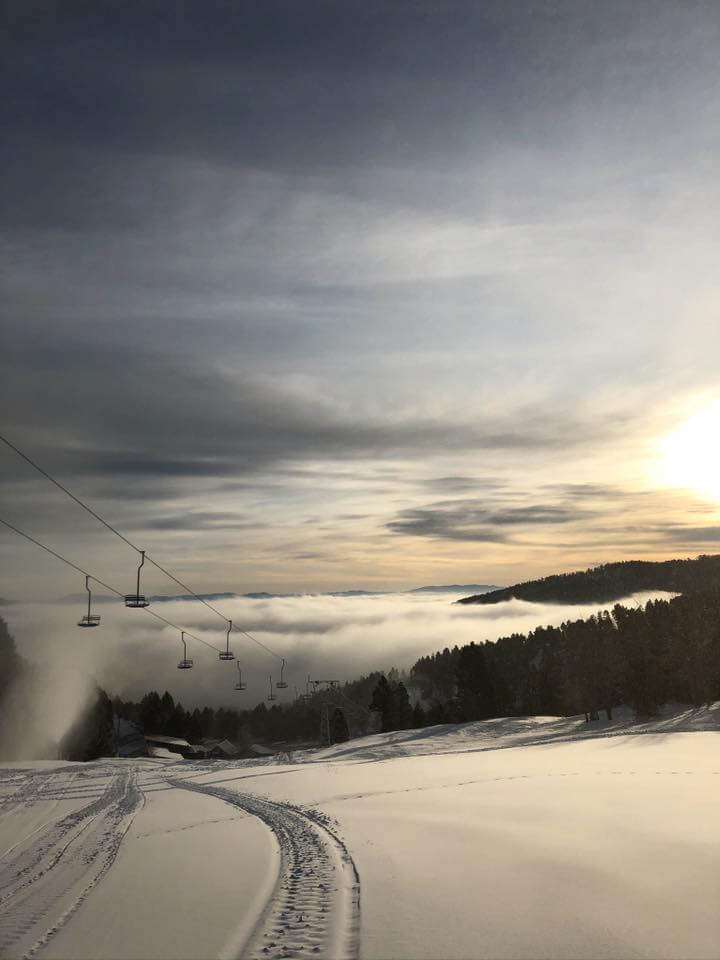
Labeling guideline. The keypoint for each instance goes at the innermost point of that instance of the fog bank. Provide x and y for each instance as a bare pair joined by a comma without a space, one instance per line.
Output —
324,636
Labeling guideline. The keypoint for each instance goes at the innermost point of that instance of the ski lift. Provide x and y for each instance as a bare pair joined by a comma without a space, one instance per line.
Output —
227,653
307,695
90,619
282,683
184,664
240,685
137,599
271,695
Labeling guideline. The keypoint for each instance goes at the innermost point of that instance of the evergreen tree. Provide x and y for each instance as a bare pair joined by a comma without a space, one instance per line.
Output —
476,694
194,730
382,702
339,732
167,709
402,708
151,713
418,716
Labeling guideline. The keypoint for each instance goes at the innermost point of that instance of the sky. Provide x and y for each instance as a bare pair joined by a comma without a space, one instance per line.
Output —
319,296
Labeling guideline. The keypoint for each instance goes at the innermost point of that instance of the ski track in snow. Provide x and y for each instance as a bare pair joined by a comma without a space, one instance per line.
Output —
315,908
36,899
30,788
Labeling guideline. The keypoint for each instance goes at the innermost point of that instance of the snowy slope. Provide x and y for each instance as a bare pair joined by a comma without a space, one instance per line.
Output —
513,838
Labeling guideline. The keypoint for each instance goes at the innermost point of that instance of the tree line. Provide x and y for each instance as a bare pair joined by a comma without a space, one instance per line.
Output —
610,581
642,657
666,651
160,714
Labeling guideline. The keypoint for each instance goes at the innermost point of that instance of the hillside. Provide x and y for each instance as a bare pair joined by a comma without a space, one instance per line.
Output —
567,839
610,581
456,588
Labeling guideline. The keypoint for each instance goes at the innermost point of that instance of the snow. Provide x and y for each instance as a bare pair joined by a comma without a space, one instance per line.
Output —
176,885
529,837
163,753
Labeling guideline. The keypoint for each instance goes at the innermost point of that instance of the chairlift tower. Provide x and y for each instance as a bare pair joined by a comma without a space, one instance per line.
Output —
326,703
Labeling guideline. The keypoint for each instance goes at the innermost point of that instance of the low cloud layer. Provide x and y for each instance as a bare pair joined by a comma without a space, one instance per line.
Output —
324,637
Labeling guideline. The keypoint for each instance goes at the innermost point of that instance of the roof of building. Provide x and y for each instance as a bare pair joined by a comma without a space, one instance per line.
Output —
161,738
129,741
162,753
225,746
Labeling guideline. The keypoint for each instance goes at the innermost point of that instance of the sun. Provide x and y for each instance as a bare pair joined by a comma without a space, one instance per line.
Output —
690,455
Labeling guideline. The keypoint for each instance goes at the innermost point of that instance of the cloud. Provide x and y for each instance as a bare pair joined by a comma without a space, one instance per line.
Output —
159,415
329,637
463,484
200,520
685,534
309,274
473,520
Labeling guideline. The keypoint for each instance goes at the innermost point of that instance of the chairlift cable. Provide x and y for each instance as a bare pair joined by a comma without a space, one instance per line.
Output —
137,549
102,583
104,522
259,643
68,492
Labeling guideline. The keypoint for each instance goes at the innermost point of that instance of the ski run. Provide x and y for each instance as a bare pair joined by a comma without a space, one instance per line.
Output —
530,837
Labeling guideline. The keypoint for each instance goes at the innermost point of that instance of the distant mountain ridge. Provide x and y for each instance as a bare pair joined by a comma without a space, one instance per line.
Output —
457,588
611,581
263,595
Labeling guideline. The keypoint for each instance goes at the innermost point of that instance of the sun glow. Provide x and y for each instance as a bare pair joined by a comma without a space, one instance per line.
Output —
690,455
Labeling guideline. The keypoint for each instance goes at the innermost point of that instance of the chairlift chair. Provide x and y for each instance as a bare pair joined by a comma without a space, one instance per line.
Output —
227,653
271,695
307,695
240,685
184,664
282,683
137,600
90,619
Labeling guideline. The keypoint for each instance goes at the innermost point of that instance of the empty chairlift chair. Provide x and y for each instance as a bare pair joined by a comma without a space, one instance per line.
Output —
282,683
184,664
136,600
271,695
240,685
227,653
90,619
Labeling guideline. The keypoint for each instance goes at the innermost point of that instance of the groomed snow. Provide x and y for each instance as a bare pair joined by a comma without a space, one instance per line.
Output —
512,838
